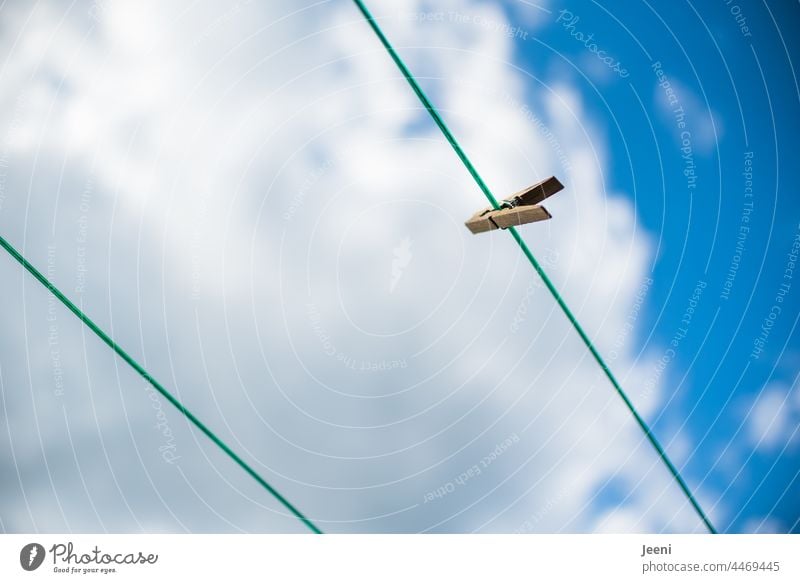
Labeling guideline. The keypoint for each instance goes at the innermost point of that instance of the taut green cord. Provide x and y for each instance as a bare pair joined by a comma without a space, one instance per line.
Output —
450,138
146,376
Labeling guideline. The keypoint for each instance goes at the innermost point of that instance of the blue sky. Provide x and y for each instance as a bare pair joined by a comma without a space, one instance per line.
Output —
250,198
740,93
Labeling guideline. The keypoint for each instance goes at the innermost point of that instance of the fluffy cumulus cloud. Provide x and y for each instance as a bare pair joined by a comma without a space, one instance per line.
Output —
772,420
254,203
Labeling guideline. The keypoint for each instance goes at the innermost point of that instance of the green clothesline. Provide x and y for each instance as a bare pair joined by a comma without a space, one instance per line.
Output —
578,328
156,385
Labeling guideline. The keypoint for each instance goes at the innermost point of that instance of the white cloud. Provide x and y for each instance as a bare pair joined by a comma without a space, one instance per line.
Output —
202,128
773,419
763,526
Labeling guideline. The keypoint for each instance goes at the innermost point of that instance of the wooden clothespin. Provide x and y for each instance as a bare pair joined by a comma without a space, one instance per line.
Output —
519,209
